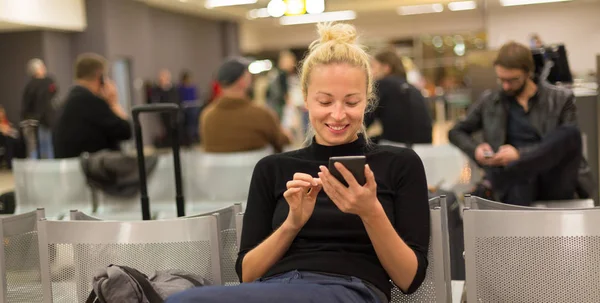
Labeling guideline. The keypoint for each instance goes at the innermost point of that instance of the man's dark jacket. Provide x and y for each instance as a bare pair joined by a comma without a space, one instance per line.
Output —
555,107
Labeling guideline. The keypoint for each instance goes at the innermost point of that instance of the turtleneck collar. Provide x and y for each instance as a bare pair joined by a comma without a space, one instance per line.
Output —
323,152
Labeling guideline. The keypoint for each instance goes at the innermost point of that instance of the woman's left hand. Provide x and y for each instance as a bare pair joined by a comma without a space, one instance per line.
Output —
354,199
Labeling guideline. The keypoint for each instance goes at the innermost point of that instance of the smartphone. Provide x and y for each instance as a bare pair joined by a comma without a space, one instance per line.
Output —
355,164
488,154
102,81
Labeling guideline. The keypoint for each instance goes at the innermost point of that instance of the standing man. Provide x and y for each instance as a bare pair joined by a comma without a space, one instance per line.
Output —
92,119
166,92
532,145
39,104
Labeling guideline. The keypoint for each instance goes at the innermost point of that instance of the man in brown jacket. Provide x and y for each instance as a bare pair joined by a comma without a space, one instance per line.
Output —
233,123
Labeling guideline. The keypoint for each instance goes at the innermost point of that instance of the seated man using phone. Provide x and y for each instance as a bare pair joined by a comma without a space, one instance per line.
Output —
92,119
532,146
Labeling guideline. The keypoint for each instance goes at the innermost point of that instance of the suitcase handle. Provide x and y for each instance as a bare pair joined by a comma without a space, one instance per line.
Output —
173,110
153,108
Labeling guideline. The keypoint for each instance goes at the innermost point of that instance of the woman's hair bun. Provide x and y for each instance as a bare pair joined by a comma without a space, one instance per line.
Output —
339,33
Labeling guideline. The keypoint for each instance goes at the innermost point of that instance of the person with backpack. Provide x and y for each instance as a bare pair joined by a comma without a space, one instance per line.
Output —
402,109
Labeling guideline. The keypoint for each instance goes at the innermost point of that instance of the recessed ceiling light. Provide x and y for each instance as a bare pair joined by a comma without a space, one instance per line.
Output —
315,18
527,2
220,3
258,13
462,5
315,6
420,9
276,8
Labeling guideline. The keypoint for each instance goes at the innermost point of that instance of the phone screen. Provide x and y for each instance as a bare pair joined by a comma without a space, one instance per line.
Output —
355,164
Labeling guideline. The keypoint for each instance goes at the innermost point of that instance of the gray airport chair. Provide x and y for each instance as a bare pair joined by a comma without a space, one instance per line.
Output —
474,202
55,185
161,190
229,246
19,258
520,255
221,176
437,285
71,252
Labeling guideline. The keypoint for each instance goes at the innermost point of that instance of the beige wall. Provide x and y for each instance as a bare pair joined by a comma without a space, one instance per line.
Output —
576,23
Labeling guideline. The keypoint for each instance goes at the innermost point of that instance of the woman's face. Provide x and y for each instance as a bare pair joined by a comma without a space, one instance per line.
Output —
336,101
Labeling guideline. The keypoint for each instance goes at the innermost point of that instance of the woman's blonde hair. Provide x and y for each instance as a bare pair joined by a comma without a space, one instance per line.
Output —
337,44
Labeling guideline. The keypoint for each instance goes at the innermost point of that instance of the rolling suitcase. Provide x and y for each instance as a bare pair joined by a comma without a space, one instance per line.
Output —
173,110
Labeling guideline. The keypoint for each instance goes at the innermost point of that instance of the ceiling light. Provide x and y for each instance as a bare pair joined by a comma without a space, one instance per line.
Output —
315,18
276,8
260,66
295,7
420,9
258,13
220,3
527,2
315,6
462,5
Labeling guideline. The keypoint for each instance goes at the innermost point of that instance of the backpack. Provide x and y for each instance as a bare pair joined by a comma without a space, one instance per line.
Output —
127,285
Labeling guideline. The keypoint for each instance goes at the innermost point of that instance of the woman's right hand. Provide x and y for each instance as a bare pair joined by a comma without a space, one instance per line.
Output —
301,195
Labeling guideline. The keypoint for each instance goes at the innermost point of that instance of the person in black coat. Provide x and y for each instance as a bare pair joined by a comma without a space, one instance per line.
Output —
402,109
92,118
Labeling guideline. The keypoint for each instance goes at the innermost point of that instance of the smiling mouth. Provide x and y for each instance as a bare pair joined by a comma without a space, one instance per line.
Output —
337,127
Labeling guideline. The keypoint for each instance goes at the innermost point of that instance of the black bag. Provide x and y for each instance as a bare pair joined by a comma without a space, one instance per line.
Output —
173,110
7,203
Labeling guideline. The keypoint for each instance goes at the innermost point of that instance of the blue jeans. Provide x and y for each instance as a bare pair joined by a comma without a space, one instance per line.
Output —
290,287
46,146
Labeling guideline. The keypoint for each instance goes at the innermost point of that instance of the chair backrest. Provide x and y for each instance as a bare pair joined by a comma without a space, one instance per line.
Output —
221,176
19,258
229,245
474,202
72,251
239,222
437,284
55,185
76,215
576,203
161,191
532,256
445,165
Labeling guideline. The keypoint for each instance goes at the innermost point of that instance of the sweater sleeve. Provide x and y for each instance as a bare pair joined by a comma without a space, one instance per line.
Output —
411,211
259,211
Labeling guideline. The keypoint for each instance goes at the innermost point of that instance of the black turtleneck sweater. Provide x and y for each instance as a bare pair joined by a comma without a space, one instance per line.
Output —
332,241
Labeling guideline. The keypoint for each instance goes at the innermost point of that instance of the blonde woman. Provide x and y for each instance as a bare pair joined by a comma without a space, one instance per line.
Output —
307,237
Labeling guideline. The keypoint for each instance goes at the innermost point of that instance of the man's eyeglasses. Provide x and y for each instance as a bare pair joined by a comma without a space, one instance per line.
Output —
510,81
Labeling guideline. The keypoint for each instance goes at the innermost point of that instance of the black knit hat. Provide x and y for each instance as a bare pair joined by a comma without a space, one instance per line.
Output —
231,70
